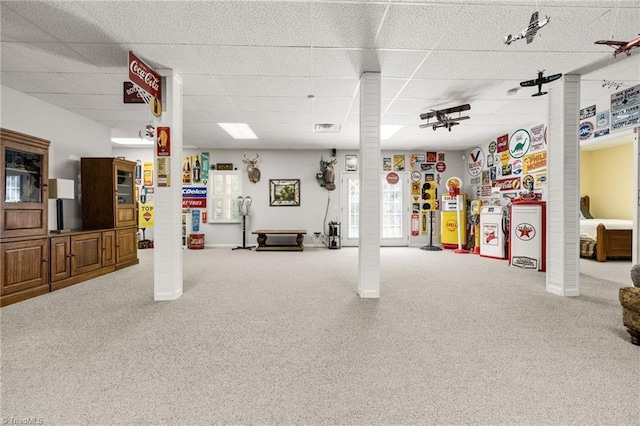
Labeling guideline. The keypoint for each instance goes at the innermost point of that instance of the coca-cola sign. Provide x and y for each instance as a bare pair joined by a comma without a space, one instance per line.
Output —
143,76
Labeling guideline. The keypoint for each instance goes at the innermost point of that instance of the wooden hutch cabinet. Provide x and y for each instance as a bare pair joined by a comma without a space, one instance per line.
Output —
108,201
25,178
24,246
34,262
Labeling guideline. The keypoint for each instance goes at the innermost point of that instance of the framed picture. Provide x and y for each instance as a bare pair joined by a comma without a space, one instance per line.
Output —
431,157
351,163
386,164
398,163
284,192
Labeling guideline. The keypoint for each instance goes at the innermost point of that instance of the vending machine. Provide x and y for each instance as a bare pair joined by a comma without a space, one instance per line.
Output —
492,232
527,236
449,221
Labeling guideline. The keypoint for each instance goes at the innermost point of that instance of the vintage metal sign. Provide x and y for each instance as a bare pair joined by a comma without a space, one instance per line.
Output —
142,75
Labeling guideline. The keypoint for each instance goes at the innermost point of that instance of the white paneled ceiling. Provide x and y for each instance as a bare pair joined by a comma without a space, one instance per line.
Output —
258,62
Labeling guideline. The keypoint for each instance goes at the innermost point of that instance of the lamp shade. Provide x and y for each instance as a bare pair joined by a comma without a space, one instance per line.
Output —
62,189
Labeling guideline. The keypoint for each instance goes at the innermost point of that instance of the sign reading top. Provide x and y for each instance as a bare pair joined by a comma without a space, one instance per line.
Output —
143,76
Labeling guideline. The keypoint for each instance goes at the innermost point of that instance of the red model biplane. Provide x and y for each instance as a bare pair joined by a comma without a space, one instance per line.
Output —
621,46
444,117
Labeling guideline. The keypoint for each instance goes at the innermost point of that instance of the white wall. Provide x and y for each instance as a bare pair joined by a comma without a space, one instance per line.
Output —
69,134
292,164
273,164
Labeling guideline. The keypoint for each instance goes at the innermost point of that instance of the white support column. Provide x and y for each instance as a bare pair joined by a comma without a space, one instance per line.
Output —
563,190
167,252
369,162
635,256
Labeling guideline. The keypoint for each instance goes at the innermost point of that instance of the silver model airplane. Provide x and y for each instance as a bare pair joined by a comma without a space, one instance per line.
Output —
530,32
444,118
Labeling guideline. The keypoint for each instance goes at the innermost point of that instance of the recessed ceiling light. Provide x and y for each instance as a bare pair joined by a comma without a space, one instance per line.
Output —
238,130
132,141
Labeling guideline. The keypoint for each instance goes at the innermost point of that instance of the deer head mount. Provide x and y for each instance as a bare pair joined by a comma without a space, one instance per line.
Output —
252,171
327,176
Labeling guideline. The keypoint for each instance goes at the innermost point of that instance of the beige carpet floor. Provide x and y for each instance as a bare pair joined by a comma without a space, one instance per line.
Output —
283,338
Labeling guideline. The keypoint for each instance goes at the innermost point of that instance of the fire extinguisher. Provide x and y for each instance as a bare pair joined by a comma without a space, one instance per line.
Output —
204,216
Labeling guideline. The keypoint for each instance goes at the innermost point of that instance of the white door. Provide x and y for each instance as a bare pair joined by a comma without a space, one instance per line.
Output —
394,213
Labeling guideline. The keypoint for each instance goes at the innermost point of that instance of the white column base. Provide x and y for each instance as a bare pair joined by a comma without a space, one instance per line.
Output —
158,297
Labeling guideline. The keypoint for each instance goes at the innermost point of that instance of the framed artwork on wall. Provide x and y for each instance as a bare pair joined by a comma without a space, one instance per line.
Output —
351,163
284,192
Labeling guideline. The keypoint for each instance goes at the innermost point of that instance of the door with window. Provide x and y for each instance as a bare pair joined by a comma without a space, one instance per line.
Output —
394,210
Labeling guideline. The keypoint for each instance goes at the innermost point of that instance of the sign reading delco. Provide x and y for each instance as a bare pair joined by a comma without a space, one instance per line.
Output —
194,197
143,76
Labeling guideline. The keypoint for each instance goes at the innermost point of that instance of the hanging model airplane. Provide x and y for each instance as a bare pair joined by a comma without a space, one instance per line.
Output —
444,118
530,32
621,46
539,82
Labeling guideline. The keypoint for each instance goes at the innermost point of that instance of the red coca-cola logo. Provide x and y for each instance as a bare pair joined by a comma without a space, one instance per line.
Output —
393,178
143,76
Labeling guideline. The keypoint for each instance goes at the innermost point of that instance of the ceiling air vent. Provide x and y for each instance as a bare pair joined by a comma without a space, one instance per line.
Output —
327,128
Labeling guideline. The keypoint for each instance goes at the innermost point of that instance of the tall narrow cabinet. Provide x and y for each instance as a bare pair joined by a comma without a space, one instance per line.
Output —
108,201
24,246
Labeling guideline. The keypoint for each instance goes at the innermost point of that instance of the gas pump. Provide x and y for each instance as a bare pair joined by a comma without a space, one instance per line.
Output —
474,223
453,223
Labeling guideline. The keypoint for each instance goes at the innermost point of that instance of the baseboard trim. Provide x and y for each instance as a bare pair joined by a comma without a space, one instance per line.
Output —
558,291
160,297
369,294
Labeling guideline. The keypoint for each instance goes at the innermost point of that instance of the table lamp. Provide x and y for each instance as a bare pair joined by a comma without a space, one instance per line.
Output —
61,189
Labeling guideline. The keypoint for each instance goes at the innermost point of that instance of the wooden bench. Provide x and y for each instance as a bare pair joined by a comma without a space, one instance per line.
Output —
262,240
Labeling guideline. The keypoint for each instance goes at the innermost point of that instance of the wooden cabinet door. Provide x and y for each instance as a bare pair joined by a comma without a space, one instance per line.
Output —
108,248
126,246
60,258
86,252
25,269
24,173
125,193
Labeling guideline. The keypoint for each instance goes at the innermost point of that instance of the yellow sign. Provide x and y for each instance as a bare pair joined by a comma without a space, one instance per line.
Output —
164,172
533,162
505,157
147,173
156,106
145,216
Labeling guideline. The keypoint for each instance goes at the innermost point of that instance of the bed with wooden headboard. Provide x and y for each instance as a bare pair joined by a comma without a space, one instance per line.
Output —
604,238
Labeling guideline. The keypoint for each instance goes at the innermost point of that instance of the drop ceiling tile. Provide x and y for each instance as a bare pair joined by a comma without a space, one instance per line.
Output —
207,103
335,86
14,27
201,84
344,62
345,25
283,104
279,117
242,85
418,26
54,57
238,22
288,86
62,21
